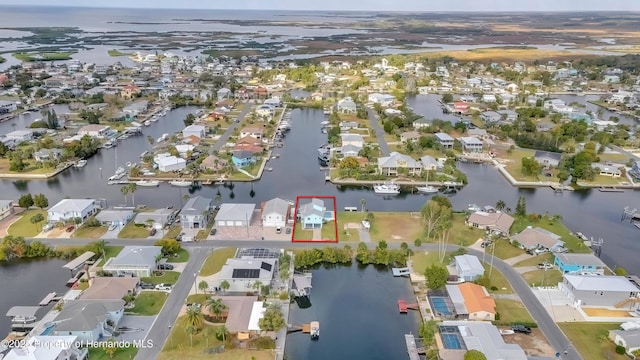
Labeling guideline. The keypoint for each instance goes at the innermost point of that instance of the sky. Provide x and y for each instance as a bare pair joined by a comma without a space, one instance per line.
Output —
359,5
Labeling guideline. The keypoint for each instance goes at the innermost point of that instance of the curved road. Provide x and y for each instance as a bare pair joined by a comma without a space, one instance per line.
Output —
199,251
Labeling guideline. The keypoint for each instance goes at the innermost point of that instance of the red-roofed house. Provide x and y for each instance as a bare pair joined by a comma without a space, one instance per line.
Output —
129,91
460,107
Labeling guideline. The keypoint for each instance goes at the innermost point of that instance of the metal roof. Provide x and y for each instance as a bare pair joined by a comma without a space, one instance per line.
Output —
601,283
73,264
25,311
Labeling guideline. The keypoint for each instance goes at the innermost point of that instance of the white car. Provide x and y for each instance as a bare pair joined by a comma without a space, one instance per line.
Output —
47,227
113,227
545,266
163,287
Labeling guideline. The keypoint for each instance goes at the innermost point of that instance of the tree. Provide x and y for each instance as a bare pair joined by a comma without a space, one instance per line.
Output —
169,246
36,219
221,333
447,98
433,214
272,320
215,306
193,317
427,332
521,207
25,201
436,276
124,190
110,349
530,167
256,285
474,355
191,330
225,285
52,120
132,189
203,286
500,205
189,120
41,201
363,203
349,163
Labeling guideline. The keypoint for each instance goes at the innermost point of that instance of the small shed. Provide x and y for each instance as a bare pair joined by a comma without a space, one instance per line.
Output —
469,267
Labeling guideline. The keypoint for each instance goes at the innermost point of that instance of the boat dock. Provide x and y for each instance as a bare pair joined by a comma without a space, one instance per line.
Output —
400,271
301,284
49,298
412,348
403,307
610,189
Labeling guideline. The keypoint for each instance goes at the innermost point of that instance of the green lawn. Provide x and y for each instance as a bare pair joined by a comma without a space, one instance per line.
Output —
511,311
504,249
462,234
215,261
387,226
131,231
35,56
571,241
604,180
172,233
92,232
109,252
114,52
513,163
148,303
24,227
328,231
167,277
590,339
300,234
423,259
121,353
183,256
535,260
497,280
197,298
551,277
614,157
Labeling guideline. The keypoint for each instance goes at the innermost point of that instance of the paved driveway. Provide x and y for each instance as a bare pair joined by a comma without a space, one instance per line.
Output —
112,234
134,327
364,236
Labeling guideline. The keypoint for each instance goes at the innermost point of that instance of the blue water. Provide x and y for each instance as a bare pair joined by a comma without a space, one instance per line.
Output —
48,330
451,341
440,305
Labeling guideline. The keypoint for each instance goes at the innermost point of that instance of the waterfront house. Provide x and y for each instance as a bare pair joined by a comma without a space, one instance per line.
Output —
129,91
628,339
194,130
468,267
6,208
490,117
118,218
471,144
275,213
496,222
89,320
508,116
110,288
159,218
254,132
243,158
134,261
429,163
7,107
48,347
191,140
350,151
312,215
607,170
462,336
346,106
489,98
47,155
409,136
537,238
382,99
239,314
421,123
242,273
235,214
195,213
168,163
348,125
224,93
472,301
94,131
579,263
547,158
19,136
134,109
352,139
214,163
67,210
275,101
397,163
600,291
265,111
478,133
444,140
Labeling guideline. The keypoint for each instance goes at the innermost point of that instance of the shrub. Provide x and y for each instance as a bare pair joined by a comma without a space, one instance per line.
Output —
262,343
620,350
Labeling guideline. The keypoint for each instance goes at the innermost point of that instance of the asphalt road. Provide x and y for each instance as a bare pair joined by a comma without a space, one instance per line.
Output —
375,124
160,329
227,134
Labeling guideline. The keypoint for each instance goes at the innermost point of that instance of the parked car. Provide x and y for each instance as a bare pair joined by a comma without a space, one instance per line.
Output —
147,286
165,267
521,329
47,227
179,237
70,228
288,231
545,266
485,244
194,305
539,251
213,231
152,232
163,287
113,227
278,230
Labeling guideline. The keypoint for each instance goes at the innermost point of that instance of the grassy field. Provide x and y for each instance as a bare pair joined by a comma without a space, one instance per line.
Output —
387,226
51,56
591,339
498,54
115,52
183,256
301,234
167,277
423,259
328,231
173,232
535,260
613,157
511,311
121,353
148,303
497,280
462,234
571,241
30,169
92,232
514,163
109,252
24,227
215,261
604,180
539,277
504,249
131,231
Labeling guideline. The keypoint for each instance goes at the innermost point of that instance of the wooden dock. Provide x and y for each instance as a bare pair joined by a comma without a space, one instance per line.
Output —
412,348
610,189
48,299
403,307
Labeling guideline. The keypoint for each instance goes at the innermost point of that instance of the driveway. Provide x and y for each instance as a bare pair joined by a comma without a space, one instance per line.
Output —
375,124
134,328
364,236
112,234
6,223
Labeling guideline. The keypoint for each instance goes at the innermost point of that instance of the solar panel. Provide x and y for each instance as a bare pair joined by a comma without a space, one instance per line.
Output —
265,266
245,273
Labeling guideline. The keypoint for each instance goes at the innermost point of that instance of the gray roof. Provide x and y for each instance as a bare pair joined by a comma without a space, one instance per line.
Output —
485,337
352,137
457,299
631,337
136,255
429,160
350,148
469,263
113,215
25,311
4,203
470,140
71,205
196,206
392,160
547,154
310,209
158,216
277,206
580,259
443,137
84,315
601,283
606,168
235,212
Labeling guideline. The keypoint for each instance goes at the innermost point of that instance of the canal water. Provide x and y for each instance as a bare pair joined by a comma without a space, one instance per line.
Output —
358,314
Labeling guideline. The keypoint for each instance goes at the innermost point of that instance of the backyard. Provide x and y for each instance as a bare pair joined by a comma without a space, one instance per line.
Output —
590,339
539,277
423,259
215,261
167,277
133,231
512,311
555,226
148,303
387,226
24,227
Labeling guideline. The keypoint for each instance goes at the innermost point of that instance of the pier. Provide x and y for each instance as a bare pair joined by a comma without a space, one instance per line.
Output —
610,189
312,328
48,299
412,348
403,307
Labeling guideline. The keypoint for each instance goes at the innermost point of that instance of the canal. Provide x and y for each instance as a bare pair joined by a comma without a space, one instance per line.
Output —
358,314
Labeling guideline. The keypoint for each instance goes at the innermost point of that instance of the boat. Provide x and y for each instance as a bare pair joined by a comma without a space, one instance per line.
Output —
427,189
507,332
163,113
636,224
315,329
147,123
473,207
81,163
324,152
144,153
181,183
147,183
162,138
109,144
387,188
120,171
128,164
327,112
154,118
324,123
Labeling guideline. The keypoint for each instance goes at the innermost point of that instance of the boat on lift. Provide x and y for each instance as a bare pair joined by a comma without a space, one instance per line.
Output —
181,183
387,188
147,183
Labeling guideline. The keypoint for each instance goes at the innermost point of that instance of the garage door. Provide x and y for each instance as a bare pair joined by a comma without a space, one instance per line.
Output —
222,223
239,223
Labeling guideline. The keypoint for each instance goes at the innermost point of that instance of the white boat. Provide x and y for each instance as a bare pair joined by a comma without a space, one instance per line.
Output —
109,144
325,123
636,224
162,138
147,183
128,164
387,189
154,118
506,332
81,163
181,183
163,113
120,171
147,123
427,189
327,112
144,153
473,207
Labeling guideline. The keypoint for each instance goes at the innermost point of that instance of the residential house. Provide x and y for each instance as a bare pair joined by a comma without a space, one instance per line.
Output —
350,151
158,218
134,109
275,102
110,288
444,140
195,213
235,214
471,144
214,163
496,222
243,158
129,91
382,99
468,267
537,238
460,107
169,163
134,261
579,263
475,335
409,136
19,136
478,133
607,170
265,111
348,125
489,98
88,320
94,131
224,93
68,209
313,214
508,116
47,155
6,208
421,123
352,139
239,313
491,117
547,158
347,106
391,165
241,274
254,132
48,347
472,302
275,213
118,218
194,130
628,339
600,291
429,163
7,107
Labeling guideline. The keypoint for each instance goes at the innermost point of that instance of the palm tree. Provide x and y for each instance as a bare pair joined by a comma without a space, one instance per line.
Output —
222,333
218,199
124,190
216,306
225,285
132,189
256,286
363,203
193,317
150,140
500,205
191,330
203,285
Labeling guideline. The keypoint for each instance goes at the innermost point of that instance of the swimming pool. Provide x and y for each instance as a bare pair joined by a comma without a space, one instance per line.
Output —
440,305
451,341
48,330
